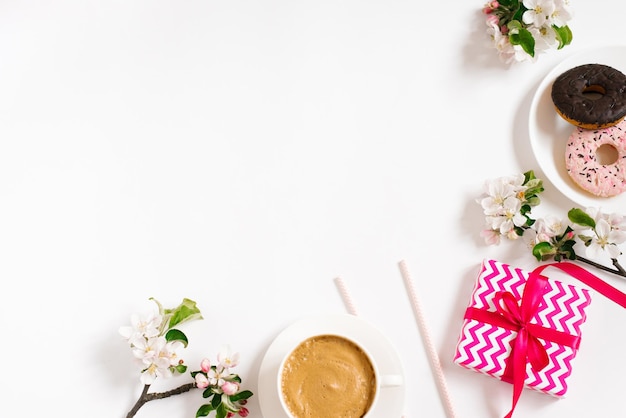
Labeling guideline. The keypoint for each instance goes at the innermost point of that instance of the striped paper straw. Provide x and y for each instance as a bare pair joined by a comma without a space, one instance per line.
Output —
347,300
345,295
426,338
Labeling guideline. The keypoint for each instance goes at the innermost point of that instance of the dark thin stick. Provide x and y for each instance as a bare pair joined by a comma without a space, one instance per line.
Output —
619,270
147,397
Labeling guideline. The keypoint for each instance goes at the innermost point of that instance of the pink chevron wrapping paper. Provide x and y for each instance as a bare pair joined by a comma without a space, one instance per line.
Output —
485,348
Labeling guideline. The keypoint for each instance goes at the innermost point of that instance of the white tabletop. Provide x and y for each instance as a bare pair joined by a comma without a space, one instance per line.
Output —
245,154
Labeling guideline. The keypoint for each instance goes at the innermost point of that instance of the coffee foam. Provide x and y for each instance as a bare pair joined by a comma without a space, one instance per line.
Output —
328,376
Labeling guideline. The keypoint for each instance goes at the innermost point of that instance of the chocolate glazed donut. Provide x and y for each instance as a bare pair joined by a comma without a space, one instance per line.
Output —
590,96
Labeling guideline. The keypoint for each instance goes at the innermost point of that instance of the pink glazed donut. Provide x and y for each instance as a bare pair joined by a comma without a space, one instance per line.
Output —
581,160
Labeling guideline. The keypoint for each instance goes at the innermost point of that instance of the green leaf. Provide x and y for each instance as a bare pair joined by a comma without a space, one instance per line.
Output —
543,251
186,311
221,411
518,10
176,335
525,39
204,410
586,239
534,185
228,404
244,394
563,35
533,201
579,217
161,310
216,401
515,25
529,175
558,257
181,368
567,249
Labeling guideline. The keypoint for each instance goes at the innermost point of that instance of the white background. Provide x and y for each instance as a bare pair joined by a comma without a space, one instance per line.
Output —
244,154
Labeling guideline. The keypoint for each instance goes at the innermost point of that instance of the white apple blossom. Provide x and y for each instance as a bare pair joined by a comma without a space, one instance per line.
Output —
146,325
501,43
538,13
562,13
545,38
508,217
154,370
606,239
491,236
531,238
544,230
226,358
511,234
216,376
498,190
617,221
550,226
160,360
147,349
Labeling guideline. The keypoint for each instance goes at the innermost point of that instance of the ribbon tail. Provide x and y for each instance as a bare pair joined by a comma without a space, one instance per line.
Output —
519,368
537,354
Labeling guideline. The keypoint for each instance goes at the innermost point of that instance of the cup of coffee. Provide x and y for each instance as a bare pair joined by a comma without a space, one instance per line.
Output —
330,376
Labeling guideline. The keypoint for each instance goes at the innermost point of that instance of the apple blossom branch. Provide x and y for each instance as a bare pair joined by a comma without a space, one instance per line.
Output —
156,341
507,203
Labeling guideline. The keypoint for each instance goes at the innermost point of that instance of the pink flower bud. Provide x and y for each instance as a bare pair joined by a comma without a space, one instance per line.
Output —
201,381
244,412
205,365
490,7
230,388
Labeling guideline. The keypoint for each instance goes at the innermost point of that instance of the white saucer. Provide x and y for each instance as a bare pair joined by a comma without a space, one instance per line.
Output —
391,400
549,132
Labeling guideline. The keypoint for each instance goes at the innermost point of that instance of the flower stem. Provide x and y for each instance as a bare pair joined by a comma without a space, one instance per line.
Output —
147,397
619,270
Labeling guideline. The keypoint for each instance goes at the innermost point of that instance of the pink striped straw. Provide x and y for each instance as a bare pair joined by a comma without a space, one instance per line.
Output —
345,295
347,301
426,338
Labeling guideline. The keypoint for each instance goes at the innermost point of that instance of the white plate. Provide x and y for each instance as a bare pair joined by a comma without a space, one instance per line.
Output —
549,132
391,400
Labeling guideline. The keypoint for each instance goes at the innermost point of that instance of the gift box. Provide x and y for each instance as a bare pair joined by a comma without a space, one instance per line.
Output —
522,328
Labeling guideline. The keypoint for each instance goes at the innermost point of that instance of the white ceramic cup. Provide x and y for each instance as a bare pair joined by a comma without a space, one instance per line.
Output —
318,374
